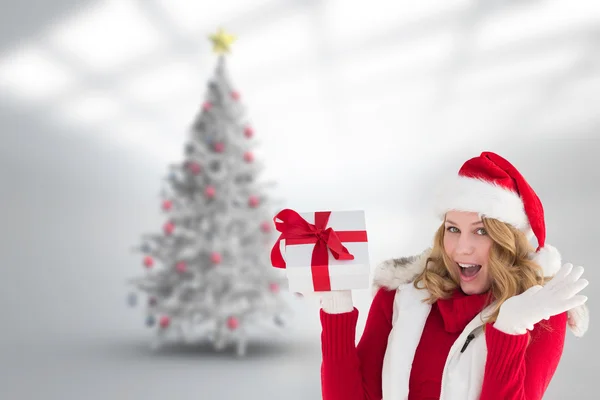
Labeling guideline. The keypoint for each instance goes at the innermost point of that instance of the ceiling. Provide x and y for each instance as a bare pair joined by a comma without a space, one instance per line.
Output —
435,73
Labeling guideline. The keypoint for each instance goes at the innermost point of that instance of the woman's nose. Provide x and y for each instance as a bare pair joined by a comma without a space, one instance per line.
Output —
465,245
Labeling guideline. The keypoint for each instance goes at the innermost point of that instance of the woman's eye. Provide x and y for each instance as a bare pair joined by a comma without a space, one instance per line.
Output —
452,229
481,231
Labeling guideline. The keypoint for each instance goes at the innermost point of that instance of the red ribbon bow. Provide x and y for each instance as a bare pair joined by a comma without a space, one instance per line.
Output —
296,230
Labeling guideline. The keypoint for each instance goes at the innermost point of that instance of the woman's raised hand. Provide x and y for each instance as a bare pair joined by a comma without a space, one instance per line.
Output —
520,313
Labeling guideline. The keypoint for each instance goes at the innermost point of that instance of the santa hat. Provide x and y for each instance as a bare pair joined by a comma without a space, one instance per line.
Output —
494,188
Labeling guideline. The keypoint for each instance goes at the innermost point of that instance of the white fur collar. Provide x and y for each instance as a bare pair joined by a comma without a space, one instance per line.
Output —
392,273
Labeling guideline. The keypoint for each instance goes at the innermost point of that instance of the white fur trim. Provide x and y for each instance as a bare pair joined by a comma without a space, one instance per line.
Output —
486,198
579,320
394,272
549,259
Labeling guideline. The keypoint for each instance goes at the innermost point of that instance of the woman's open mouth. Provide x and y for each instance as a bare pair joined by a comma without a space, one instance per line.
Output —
468,272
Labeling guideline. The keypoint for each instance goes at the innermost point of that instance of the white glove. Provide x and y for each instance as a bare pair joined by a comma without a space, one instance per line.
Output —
337,301
520,313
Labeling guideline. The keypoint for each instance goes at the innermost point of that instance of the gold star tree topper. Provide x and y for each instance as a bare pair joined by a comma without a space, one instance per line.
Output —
221,41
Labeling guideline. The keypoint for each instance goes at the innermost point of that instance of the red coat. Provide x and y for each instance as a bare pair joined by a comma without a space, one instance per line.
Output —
515,367
519,367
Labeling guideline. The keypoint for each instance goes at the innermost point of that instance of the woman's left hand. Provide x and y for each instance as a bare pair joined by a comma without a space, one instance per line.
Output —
520,313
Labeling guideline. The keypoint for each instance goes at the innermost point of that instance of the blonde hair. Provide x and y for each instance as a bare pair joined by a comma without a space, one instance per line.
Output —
511,269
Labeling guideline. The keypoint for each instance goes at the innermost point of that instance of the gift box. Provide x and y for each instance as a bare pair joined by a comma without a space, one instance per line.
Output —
323,250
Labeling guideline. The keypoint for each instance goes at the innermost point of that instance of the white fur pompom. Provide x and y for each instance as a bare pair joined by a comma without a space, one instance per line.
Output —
549,259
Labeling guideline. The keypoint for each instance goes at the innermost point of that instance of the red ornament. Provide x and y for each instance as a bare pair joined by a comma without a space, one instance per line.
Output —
265,227
273,287
169,227
181,266
248,157
164,321
219,147
194,168
207,106
233,323
210,192
166,205
215,257
235,95
253,201
248,132
148,261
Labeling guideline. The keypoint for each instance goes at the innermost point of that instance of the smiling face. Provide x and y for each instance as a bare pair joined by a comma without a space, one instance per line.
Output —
468,245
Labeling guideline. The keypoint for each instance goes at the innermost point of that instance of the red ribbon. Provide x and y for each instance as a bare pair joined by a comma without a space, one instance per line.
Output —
296,230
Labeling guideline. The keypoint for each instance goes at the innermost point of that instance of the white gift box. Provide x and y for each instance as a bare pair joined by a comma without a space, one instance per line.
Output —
343,274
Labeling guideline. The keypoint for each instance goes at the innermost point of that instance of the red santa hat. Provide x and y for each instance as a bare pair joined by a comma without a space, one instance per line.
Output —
494,188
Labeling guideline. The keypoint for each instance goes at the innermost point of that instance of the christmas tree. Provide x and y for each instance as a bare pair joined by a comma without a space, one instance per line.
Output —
208,274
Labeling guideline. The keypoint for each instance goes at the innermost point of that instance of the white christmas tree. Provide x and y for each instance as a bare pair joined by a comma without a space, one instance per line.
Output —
208,274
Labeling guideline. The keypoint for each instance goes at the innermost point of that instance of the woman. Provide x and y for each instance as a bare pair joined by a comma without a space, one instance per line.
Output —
480,315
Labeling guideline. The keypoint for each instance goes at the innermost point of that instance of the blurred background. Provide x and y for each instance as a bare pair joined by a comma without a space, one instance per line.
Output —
357,105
